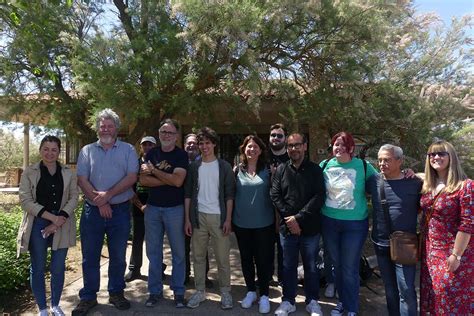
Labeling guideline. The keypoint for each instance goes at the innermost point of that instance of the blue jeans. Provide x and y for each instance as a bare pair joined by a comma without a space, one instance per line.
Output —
292,246
38,248
328,265
157,221
93,229
399,281
344,240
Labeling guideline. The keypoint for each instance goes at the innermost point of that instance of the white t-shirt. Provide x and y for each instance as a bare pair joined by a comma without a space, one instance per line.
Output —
208,196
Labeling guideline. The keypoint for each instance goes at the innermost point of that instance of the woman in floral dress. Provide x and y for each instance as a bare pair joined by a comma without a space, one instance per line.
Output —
447,267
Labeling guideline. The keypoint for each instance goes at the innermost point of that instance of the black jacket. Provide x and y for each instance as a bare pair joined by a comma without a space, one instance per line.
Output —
299,192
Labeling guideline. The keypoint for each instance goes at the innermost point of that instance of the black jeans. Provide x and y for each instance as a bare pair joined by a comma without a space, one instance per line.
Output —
136,258
256,250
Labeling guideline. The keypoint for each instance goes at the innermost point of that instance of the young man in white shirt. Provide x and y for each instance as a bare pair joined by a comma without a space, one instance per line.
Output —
209,198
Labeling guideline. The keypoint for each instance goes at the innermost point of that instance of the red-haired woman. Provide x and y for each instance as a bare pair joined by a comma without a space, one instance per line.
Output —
345,224
447,266
253,221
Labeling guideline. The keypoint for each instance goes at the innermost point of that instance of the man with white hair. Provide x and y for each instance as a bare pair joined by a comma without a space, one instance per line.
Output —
402,198
106,172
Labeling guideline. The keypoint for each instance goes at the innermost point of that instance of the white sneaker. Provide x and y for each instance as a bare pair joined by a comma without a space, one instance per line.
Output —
57,311
264,305
314,309
285,308
249,299
43,312
330,290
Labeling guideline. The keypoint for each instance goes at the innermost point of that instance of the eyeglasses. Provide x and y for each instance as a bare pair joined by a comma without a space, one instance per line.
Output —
385,161
167,133
295,146
279,136
438,153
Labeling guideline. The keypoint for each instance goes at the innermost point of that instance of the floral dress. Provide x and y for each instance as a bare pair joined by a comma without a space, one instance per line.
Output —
443,292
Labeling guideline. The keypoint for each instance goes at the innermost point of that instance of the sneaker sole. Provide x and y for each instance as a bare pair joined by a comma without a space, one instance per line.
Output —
246,307
196,305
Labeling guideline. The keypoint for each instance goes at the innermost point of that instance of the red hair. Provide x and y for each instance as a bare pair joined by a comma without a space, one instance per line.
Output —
347,140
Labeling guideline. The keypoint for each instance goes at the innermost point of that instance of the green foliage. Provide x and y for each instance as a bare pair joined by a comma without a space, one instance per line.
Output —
11,151
463,141
13,272
373,68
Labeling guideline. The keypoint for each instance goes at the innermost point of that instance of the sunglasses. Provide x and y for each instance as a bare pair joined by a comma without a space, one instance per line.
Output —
438,153
280,136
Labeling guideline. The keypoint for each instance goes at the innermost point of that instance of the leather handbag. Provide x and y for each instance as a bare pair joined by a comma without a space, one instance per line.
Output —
404,246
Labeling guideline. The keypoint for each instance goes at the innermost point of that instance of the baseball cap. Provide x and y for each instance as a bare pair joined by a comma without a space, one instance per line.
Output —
150,139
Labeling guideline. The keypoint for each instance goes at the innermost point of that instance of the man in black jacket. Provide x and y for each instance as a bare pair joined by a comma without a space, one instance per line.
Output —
298,193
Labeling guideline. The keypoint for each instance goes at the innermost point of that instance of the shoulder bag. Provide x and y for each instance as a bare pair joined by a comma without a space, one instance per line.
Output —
403,245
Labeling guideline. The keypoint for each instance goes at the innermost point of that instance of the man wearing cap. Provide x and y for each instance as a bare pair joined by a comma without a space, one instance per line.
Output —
139,202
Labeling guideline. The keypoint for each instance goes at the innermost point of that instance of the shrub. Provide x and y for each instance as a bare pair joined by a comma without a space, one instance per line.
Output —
13,272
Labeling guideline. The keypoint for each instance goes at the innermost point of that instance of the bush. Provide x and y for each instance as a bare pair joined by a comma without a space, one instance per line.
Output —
14,272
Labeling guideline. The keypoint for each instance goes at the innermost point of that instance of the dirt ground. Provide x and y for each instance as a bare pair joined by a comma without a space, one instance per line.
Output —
372,297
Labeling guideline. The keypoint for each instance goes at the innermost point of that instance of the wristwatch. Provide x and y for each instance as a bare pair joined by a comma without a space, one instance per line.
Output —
458,257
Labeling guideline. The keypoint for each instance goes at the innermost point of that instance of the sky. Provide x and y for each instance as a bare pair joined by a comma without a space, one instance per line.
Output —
446,9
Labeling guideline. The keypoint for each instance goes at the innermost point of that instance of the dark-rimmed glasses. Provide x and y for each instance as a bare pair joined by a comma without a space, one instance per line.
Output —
167,133
295,146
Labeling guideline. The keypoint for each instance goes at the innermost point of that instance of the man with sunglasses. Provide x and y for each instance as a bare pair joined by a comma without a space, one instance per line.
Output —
278,155
298,194
164,174
277,142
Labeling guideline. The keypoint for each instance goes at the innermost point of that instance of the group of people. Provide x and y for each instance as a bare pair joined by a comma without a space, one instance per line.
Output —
197,198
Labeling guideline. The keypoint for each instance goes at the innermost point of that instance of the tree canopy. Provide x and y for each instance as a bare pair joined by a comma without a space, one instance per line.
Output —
372,68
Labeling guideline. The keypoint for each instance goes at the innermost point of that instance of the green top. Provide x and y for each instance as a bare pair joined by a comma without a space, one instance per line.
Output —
345,189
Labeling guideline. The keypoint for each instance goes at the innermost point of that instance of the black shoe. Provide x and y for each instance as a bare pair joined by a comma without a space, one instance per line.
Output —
83,307
209,283
163,268
179,301
153,299
119,301
132,275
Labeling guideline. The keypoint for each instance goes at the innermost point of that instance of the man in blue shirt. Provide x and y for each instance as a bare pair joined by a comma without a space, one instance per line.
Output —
164,173
106,172
402,196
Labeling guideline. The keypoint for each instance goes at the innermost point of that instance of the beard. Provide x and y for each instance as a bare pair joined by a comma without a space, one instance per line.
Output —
107,140
277,146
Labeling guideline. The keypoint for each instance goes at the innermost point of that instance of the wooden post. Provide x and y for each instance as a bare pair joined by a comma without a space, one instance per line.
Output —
26,145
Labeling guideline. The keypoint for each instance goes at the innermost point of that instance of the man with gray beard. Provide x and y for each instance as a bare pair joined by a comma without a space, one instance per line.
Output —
106,172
